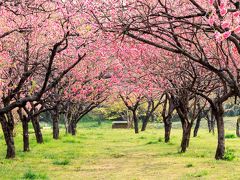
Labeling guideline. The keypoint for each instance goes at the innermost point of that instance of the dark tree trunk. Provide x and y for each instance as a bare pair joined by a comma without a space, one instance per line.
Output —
72,128
25,134
55,123
209,123
24,121
37,129
145,122
74,125
167,128
167,116
186,135
135,121
195,132
218,114
237,128
186,126
55,128
69,128
213,125
8,136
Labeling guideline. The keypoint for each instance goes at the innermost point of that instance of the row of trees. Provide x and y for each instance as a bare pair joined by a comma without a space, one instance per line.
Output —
68,57
205,34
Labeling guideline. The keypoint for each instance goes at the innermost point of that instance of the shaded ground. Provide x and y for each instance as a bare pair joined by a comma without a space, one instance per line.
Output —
103,153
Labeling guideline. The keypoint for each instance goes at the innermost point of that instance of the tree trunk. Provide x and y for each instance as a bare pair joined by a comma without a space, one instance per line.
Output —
129,119
186,136
213,125
237,128
145,122
72,128
25,134
37,129
135,121
209,123
218,114
167,128
8,136
74,125
195,132
69,128
167,116
55,121
186,126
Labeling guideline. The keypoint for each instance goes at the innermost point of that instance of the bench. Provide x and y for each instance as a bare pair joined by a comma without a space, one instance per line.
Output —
119,125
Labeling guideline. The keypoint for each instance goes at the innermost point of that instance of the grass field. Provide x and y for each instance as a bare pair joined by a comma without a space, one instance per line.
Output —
98,152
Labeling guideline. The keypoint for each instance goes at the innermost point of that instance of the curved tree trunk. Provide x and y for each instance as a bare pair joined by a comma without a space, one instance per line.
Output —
167,128
186,135
37,129
8,136
218,114
186,127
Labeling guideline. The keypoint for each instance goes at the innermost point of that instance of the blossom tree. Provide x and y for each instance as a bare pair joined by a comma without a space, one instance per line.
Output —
40,43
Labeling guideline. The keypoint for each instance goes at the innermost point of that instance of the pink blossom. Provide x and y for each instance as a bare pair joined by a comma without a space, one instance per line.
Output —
222,5
236,14
218,36
211,21
225,25
227,34
211,2
237,29
223,11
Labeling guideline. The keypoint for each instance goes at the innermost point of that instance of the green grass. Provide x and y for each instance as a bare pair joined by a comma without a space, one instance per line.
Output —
61,162
32,175
99,152
230,136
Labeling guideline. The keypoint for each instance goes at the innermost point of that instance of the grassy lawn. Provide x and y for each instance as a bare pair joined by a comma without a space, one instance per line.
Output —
104,153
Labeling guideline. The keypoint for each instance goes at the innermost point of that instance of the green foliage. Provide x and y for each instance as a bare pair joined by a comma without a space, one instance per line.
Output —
32,175
61,162
230,136
229,155
110,110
